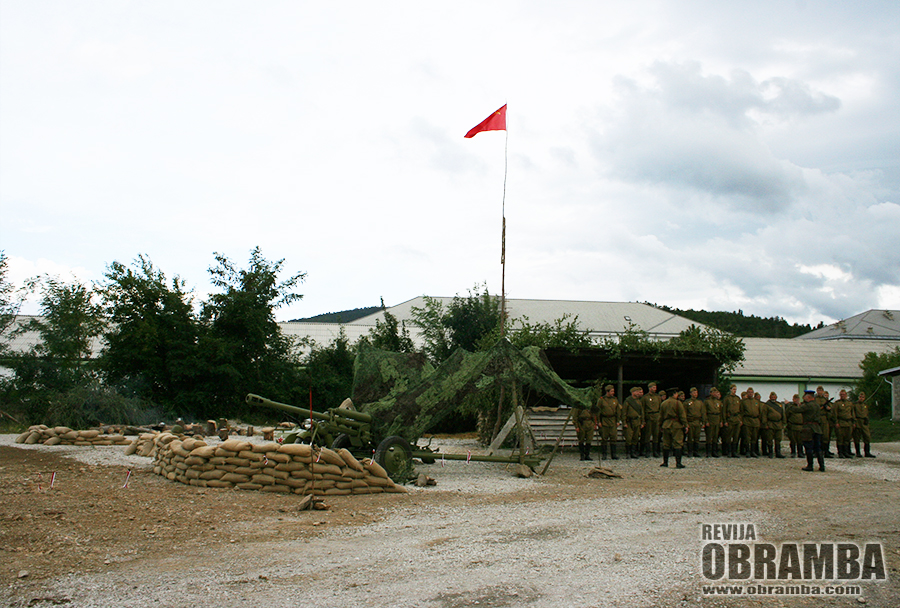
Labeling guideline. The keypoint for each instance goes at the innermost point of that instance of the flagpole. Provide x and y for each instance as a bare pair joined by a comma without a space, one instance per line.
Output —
503,241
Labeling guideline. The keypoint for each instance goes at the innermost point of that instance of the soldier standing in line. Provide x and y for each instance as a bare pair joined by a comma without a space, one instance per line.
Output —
651,402
732,405
674,424
844,420
795,426
585,422
824,403
753,417
695,410
861,431
812,431
610,414
633,421
712,418
774,427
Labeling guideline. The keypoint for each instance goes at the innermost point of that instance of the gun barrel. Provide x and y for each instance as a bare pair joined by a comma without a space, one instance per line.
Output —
257,400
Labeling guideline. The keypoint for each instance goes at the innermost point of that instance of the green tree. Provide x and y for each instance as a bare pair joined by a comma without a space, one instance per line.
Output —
244,348
878,392
390,334
435,334
561,333
10,303
469,322
151,349
330,372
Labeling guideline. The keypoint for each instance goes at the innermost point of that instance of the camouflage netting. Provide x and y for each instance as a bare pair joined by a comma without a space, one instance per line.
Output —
378,373
419,400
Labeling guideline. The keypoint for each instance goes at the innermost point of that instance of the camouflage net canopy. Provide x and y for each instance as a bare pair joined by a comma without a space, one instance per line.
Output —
406,396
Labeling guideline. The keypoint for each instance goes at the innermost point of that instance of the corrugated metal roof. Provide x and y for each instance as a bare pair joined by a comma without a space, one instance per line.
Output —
777,357
870,325
600,318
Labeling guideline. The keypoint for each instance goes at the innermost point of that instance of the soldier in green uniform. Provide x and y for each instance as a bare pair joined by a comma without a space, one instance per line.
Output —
585,422
712,417
732,405
774,426
812,431
861,431
651,402
633,421
752,417
795,426
610,414
844,421
827,419
696,418
674,423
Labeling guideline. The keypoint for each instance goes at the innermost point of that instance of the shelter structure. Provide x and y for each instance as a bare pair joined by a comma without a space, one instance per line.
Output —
892,375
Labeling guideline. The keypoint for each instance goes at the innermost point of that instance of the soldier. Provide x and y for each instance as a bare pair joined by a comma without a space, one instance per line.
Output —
674,423
695,410
861,431
651,402
585,423
633,421
812,431
732,405
610,414
827,415
795,426
752,417
712,417
844,421
774,426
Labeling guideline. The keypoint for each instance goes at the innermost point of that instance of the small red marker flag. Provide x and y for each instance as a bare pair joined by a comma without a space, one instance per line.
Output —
494,122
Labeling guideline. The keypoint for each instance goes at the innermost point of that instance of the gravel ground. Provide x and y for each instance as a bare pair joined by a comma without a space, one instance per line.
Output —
480,537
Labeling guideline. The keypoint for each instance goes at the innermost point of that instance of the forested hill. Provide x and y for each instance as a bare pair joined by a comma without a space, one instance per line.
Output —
744,326
344,316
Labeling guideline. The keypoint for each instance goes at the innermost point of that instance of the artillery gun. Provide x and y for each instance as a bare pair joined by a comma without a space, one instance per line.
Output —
343,427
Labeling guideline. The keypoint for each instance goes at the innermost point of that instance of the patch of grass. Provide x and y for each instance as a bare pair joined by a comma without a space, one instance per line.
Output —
884,430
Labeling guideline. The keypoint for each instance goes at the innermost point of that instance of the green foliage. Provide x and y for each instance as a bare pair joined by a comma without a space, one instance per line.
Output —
561,333
742,325
152,338
878,392
470,322
243,348
10,302
389,334
330,372
93,404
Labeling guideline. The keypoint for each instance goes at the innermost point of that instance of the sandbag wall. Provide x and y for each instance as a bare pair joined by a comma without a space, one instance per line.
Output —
63,435
269,467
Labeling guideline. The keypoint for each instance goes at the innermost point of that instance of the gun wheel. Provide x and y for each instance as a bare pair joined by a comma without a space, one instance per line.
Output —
341,441
395,457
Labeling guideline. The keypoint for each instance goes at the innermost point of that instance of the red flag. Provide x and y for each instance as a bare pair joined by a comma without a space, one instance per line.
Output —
494,122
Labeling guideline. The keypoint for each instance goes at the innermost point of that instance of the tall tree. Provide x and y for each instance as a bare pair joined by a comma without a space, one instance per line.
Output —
152,336
245,347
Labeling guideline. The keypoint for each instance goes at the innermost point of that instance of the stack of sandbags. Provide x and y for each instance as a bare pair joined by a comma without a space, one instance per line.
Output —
145,445
268,467
63,435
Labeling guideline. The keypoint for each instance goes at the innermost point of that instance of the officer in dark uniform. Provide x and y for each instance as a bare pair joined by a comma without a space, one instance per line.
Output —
812,431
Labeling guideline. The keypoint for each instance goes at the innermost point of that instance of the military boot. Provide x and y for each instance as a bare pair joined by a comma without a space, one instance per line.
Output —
869,453
821,458
793,451
612,452
778,453
858,453
708,449
809,461
696,449
587,452
602,452
678,455
665,462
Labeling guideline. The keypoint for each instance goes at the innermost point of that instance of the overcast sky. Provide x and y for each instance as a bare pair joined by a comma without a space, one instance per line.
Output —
715,155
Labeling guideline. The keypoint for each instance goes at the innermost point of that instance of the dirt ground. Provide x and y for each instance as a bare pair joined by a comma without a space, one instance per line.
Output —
480,537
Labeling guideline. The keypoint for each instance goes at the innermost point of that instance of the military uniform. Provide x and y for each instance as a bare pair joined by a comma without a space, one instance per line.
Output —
753,417
812,434
651,402
585,423
774,428
861,430
610,413
844,421
696,419
733,422
713,415
632,421
826,421
674,420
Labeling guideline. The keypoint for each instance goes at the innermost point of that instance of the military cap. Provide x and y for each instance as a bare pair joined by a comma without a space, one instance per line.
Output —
693,388
635,389
809,392
608,387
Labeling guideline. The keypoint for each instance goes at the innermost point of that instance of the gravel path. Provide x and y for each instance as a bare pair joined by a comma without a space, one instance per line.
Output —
483,537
